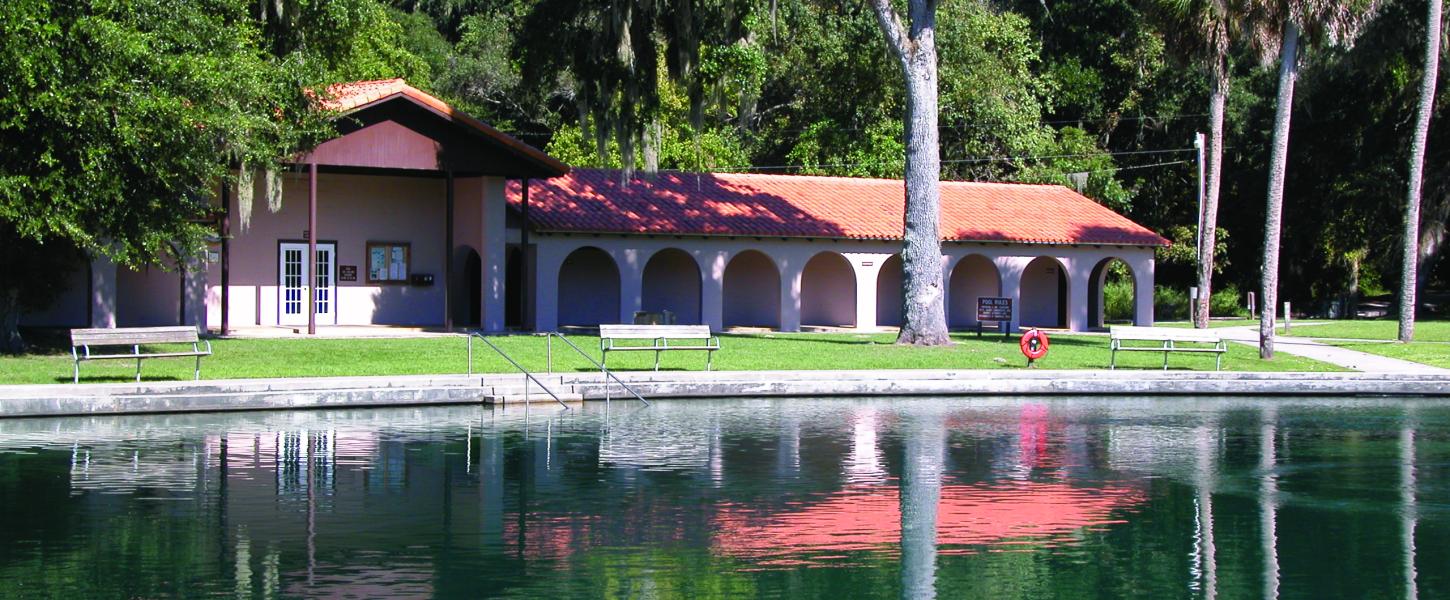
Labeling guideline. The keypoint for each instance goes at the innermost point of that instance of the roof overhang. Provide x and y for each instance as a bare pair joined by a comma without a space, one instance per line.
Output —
410,130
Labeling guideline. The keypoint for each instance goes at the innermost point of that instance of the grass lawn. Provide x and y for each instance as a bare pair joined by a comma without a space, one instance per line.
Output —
1372,329
250,358
1435,354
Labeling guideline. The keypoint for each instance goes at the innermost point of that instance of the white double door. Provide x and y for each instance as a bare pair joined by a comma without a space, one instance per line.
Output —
292,284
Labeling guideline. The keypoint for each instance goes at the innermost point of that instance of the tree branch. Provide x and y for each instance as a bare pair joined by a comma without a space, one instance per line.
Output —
890,24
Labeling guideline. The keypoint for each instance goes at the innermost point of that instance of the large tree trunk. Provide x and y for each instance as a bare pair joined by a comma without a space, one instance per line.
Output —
1411,253
923,319
10,340
1278,158
1218,94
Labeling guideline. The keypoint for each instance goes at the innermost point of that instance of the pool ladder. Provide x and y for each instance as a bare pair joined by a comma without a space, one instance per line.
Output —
549,350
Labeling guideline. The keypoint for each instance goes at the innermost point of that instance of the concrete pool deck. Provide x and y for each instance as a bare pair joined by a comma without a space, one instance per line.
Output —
361,392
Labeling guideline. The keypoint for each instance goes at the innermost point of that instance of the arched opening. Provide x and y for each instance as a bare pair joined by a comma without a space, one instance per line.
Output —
588,288
889,283
1112,294
1044,293
828,291
752,291
467,294
975,276
672,283
513,287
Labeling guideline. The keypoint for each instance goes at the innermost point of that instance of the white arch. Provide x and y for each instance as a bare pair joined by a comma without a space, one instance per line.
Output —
751,291
828,291
1044,288
671,281
588,288
974,276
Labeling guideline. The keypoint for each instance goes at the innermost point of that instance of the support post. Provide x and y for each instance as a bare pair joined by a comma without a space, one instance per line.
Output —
311,271
524,287
226,234
448,255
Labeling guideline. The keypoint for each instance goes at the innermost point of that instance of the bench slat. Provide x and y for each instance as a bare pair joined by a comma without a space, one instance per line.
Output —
1164,334
650,332
133,336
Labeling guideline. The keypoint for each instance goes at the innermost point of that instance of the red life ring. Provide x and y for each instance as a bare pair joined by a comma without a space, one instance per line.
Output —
1034,344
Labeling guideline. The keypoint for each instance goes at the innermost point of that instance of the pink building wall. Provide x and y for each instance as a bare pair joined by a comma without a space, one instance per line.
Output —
352,210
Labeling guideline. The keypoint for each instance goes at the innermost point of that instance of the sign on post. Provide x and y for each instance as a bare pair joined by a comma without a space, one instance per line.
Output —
994,309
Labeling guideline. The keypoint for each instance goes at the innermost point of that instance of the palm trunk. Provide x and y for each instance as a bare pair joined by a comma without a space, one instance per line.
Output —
923,321
1278,159
1411,254
1218,94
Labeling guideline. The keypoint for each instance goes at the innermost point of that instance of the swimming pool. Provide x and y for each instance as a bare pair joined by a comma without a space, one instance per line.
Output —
847,498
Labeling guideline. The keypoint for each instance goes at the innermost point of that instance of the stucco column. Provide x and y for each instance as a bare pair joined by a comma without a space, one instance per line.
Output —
1143,290
548,259
867,268
103,292
493,255
1011,267
1079,284
631,282
712,288
194,283
791,269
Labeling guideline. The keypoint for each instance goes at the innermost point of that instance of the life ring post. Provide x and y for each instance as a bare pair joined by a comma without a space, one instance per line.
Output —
1034,344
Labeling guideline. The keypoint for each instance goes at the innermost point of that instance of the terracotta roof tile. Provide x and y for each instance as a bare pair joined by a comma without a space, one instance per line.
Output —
589,200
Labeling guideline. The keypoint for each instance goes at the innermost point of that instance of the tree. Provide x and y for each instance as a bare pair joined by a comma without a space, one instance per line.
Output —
118,120
1318,21
1411,243
1199,31
923,319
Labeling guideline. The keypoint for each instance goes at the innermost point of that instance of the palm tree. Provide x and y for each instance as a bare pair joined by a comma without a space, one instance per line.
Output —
1411,255
923,319
1277,26
1199,32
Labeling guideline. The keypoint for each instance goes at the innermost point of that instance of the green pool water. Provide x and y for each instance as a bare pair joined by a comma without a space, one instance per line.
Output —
831,498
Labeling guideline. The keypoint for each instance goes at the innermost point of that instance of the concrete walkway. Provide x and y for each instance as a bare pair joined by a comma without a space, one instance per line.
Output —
573,387
1344,357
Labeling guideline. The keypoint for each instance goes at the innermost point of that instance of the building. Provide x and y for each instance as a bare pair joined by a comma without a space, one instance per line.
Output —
423,216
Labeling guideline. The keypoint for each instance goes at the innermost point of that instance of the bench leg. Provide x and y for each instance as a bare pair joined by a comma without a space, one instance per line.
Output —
138,370
657,360
76,378
1113,359
197,374
709,354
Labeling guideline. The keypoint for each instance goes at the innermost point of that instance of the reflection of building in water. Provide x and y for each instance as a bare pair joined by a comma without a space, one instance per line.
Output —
969,518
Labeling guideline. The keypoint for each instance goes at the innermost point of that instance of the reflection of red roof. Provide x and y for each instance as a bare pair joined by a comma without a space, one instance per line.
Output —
869,519
347,97
588,200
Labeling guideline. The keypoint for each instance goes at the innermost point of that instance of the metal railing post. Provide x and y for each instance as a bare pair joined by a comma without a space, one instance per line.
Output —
608,393
549,351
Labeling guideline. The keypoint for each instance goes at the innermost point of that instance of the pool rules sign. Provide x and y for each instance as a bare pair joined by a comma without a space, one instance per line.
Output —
994,309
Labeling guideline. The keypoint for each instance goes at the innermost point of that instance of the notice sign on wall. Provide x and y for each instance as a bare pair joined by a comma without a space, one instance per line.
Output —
994,309
347,272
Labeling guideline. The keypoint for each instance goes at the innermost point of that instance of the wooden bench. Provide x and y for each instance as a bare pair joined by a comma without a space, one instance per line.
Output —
659,337
1167,340
83,340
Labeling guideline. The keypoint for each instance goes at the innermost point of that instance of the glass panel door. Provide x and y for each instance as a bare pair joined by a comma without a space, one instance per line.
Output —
292,309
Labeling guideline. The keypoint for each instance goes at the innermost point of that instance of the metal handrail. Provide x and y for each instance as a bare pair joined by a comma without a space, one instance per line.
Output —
549,337
527,375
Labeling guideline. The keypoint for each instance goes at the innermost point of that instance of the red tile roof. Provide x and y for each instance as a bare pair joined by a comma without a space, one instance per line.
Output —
348,97
589,200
